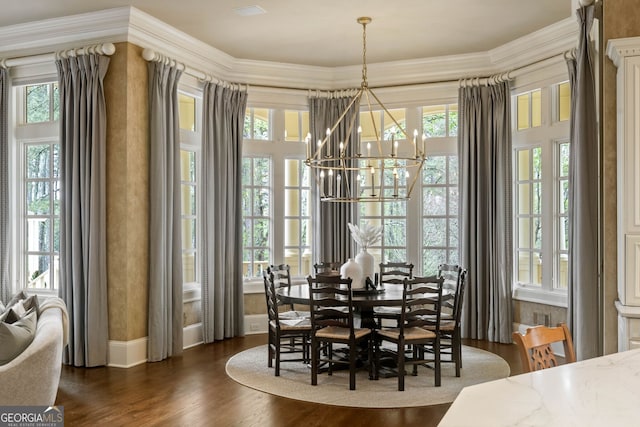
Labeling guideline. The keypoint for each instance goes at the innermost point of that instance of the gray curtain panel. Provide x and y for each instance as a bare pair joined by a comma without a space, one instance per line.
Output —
484,150
584,313
5,291
332,240
222,288
83,257
165,216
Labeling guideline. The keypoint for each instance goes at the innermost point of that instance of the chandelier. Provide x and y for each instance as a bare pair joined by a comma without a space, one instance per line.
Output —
386,169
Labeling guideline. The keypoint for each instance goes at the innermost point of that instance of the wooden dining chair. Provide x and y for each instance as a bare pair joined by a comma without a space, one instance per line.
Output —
326,267
330,301
286,335
392,273
535,346
282,277
421,308
454,285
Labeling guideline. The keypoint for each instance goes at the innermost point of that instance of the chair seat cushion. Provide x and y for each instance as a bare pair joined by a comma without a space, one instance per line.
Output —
294,314
445,325
292,324
336,332
413,333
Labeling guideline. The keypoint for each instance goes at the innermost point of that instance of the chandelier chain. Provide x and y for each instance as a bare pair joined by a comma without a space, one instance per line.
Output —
364,55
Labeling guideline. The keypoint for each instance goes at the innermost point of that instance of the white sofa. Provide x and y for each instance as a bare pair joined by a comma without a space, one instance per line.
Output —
32,378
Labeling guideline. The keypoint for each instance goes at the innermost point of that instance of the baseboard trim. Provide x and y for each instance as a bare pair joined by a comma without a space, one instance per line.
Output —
192,336
255,324
126,354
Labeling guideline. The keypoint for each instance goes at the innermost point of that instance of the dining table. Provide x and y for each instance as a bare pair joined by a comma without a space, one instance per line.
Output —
602,391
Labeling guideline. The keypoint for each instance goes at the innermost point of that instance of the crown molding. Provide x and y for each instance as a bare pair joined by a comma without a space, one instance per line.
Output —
552,40
134,26
618,49
55,34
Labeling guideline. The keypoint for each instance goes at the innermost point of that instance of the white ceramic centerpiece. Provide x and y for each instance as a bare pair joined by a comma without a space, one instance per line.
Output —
353,270
365,236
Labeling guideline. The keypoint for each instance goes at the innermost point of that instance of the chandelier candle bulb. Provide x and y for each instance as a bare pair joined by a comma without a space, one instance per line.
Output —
328,139
342,149
424,145
321,183
338,181
415,141
369,149
392,145
330,182
395,148
373,181
395,183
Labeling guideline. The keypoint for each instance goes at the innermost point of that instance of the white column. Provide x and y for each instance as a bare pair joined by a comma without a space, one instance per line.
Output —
625,54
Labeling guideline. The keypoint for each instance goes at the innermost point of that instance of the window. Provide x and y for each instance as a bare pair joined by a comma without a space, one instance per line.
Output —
540,174
37,172
256,212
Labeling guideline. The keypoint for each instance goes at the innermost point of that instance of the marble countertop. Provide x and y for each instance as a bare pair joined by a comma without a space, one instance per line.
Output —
603,391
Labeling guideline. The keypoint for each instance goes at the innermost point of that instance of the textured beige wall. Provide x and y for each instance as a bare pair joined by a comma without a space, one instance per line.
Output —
127,193
621,18
524,313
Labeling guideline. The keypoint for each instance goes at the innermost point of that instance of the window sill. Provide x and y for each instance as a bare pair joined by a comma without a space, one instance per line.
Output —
540,296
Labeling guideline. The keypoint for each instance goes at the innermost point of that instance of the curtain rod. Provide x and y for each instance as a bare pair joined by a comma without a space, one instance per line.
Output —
102,49
152,55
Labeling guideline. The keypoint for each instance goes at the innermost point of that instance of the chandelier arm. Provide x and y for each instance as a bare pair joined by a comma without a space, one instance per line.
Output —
375,129
415,178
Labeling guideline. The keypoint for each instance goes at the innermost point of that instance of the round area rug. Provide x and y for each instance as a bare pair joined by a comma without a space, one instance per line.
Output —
249,368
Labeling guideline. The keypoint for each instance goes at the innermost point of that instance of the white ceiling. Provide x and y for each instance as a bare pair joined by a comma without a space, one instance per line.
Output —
325,32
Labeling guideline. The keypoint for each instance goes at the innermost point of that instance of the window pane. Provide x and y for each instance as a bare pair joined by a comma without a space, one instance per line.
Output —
292,126
188,200
291,202
291,172
261,202
38,103
524,233
56,102
524,202
38,274
291,232
434,232
564,101
38,235
395,255
537,162
56,235
395,232
392,127
261,123
38,161
524,267
261,233
187,166
435,201
434,121
188,267
523,111
523,165
431,259
453,120
261,171
435,170
188,234
187,112
38,202
370,124
536,108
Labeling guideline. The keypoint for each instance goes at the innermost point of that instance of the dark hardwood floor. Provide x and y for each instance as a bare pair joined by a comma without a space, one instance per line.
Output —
194,390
